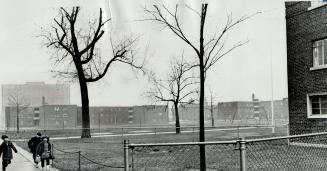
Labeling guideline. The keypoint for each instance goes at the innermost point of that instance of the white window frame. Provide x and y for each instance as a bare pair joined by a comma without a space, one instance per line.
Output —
316,4
315,59
309,105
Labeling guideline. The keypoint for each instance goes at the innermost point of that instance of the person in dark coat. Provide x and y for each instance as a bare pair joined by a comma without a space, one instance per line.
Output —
44,150
32,145
6,150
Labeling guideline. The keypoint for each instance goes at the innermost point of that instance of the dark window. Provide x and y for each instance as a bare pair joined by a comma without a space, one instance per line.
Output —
318,105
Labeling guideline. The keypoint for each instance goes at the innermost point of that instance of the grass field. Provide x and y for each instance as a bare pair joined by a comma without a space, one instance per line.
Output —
108,151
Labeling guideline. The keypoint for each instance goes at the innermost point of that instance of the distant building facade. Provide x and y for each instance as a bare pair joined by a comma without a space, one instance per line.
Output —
104,116
190,113
70,116
307,65
235,110
43,117
249,110
35,95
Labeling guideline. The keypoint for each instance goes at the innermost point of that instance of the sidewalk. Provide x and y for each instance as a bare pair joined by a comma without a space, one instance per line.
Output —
23,160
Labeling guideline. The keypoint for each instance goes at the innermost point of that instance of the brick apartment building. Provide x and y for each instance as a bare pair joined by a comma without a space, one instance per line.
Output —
306,25
236,110
42,117
189,113
245,110
107,116
70,116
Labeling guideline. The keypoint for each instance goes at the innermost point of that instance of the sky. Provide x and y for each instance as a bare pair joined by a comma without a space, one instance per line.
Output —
257,67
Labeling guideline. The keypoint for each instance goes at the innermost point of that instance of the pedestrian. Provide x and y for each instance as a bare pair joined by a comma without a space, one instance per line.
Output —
6,150
32,145
43,150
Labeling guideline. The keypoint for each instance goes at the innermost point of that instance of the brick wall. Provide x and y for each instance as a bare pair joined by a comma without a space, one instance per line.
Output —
244,110
106,116
303,27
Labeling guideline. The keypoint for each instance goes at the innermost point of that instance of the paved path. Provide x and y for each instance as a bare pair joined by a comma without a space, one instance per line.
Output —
23,161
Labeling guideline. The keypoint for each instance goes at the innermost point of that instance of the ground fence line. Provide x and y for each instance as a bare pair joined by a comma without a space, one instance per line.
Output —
80,156
294,152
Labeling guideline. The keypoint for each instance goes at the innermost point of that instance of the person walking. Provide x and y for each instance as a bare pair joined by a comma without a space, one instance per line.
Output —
32,145
43,150
6,150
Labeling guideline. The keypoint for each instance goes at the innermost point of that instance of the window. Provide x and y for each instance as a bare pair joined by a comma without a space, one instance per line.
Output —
317,3
36,122
320,53
317,106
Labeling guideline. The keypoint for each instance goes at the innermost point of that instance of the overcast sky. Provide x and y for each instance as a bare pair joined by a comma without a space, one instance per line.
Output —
244,71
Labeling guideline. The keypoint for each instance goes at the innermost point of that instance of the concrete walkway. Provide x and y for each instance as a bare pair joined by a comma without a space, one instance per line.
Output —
23,161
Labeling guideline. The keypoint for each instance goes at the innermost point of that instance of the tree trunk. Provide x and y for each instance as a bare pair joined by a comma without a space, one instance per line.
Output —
201,132
202,79
17,124
211,112
86,132
212,118
177,124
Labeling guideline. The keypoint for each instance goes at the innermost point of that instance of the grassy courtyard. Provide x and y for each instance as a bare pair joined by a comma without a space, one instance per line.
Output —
107,153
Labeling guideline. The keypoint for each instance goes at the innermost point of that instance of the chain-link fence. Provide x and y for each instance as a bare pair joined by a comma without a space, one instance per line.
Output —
300,152
223,155
292,153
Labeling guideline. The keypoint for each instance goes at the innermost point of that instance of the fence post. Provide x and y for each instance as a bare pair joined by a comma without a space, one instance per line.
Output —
238,132
242,148
122,132
52,154
288,133
79,160
126,164
193,134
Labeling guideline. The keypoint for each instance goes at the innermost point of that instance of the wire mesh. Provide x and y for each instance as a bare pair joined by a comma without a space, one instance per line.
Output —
300,153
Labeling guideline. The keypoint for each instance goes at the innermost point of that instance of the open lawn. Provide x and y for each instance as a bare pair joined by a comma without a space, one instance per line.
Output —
107,152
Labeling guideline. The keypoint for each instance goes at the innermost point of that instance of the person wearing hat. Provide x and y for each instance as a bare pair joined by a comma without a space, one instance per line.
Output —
32,145
43,150
6,150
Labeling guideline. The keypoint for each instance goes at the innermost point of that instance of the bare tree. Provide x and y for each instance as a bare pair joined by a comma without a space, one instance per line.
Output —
77,54
208,50
17,99
175,89
211,107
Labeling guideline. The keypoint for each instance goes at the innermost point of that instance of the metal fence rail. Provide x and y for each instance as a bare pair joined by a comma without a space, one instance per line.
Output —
182,156
292,153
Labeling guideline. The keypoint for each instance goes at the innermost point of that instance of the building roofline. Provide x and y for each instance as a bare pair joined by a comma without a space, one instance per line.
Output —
302,12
